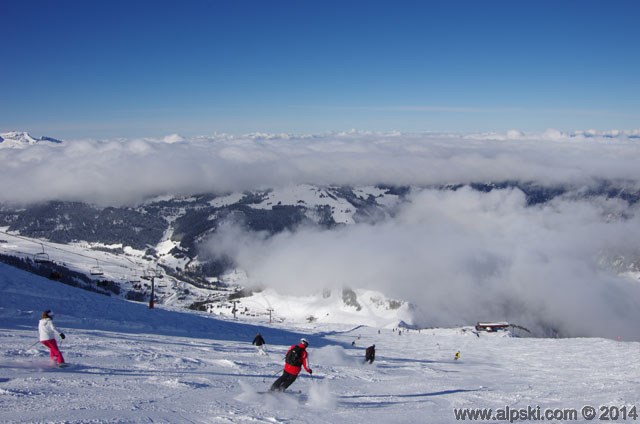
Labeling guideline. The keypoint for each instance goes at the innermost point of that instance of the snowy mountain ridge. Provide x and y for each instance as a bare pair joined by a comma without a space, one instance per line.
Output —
22,139
512,134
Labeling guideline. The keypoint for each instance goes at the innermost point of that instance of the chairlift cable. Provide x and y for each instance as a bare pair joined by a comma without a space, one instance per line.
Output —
49,246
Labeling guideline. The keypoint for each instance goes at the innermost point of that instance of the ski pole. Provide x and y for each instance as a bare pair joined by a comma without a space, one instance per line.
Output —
264,379
32,345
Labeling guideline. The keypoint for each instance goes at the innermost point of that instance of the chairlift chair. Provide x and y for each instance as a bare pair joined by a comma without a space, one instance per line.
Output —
96,270
42,257
158,272
148,274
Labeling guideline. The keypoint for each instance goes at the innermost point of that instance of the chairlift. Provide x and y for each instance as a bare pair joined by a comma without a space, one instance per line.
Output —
148,274
158,272
134,278
96,270
42,257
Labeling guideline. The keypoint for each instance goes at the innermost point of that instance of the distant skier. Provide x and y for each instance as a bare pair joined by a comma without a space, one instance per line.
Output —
48,333
259,342
370,354
295,359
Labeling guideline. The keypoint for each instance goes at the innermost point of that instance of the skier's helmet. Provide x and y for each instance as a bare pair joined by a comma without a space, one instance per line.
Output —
304,341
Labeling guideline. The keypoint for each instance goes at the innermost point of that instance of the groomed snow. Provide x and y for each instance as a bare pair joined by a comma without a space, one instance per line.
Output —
132,364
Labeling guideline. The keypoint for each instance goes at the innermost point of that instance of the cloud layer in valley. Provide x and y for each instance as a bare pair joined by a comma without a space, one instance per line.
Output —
465,256
461,256
119,172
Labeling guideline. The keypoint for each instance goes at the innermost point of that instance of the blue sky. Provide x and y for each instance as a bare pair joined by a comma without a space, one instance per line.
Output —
149,68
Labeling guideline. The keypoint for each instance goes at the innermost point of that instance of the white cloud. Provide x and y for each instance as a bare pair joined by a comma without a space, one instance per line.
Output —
127,171
173,138
467,256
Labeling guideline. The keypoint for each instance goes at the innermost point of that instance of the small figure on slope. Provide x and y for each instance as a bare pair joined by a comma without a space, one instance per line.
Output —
48,333
370,354
295,359
457,355
259,342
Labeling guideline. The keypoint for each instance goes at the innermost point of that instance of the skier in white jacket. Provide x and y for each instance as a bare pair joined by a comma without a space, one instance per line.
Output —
48,333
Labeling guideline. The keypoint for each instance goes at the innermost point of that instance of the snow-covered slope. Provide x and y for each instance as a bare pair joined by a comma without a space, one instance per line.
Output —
312,197
132,364
128,268
356,307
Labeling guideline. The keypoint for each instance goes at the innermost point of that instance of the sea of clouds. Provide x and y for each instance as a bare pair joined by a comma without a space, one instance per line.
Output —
460,256
124,171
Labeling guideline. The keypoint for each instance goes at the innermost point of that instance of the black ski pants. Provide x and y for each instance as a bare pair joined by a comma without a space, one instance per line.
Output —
284,381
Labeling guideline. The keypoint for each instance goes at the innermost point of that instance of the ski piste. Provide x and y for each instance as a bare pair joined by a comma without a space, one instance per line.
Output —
132,364
35,364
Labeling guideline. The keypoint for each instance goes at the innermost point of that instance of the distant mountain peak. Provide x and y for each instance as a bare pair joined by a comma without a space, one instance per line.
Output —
21,139
19,136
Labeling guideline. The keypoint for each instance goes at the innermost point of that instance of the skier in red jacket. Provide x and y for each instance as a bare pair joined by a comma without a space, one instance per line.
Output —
295,359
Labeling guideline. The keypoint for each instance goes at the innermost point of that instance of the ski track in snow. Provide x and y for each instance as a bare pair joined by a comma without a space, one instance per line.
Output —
210,373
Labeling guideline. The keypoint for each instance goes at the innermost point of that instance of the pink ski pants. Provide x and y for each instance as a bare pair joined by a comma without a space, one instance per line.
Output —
54,352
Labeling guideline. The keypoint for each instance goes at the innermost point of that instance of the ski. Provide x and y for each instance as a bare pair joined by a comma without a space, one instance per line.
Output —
61,366
276,392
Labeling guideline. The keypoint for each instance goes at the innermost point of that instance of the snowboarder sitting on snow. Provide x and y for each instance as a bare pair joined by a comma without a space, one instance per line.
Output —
370,354
48,333
295,359
258,340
